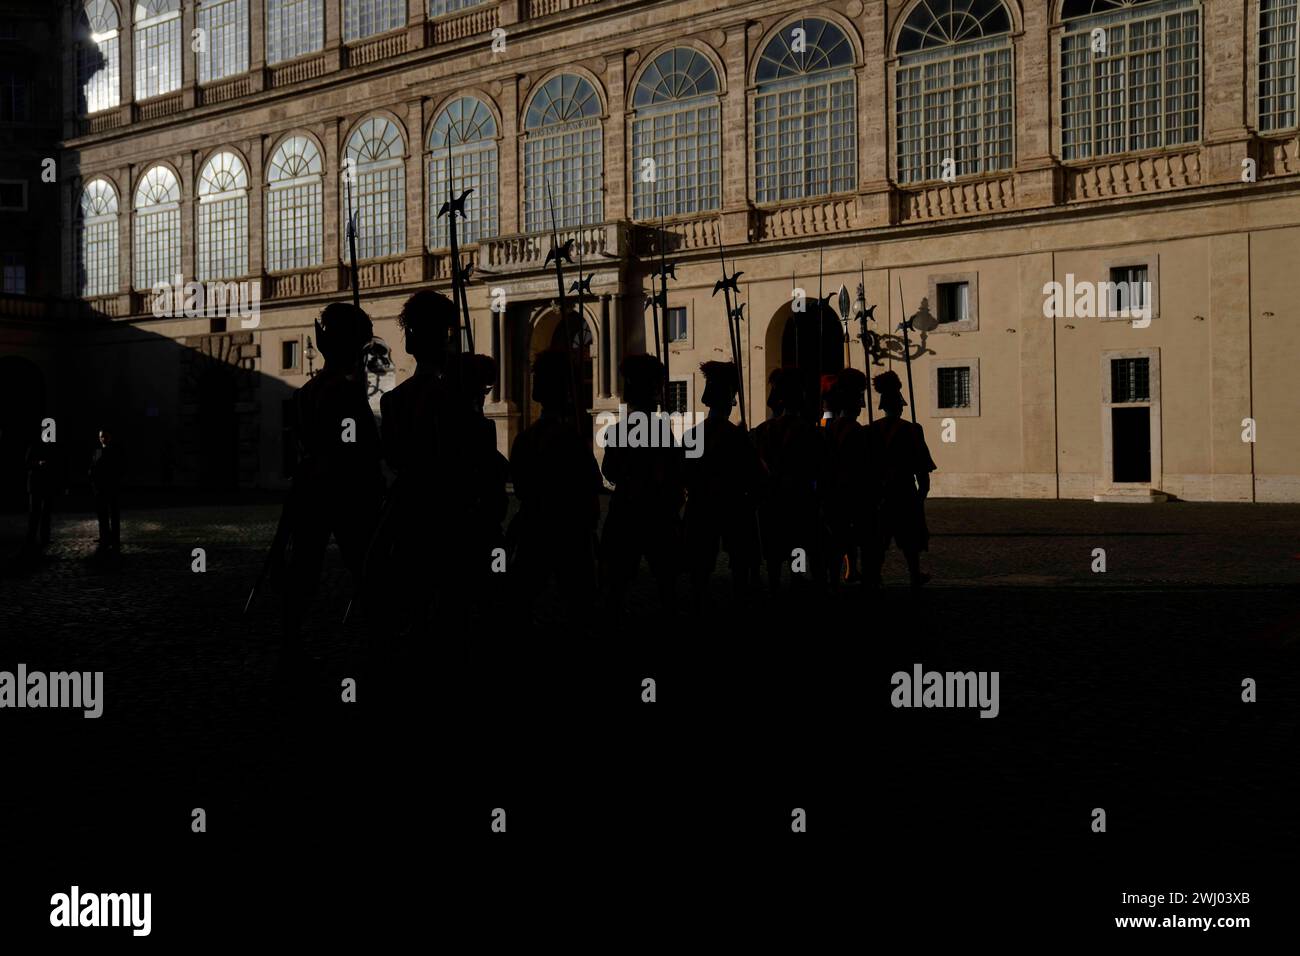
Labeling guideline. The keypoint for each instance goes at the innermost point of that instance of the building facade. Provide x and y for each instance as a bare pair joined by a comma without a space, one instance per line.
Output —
958,157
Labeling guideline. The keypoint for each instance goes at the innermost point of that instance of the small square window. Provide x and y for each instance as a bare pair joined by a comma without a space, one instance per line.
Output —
954,387
1130,290
290,352
677,324
954,302
1130,380
13,195
676,398
14,274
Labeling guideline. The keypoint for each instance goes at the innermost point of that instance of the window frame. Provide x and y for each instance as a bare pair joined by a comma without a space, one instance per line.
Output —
970,411
243,44
480,148
111,241
539,137
206,200
313,211
972,321
1155,10
389,177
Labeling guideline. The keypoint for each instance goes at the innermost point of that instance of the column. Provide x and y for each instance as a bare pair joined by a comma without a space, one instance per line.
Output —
874,189
333,34
1225,113
125,182
333,217
253,150
189,59
1037,341
615,139
508,152
417,17
1231,463
606,344
1036,168
257,45
186,166
416,203
735,139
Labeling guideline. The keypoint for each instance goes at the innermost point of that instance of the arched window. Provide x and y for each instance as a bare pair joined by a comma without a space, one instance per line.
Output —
375,154
364,18
471,129
293,206
1277,64
954,105
225,27
99,57
1130,76
157,48
223,218
676,125
157,228
563,147
294,28
98,239
805,128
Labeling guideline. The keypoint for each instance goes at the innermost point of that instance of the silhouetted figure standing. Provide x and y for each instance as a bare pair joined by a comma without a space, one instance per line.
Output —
485,500
847,489
557,482
414,418
645,468
722,487
42,485
793,450
338,484
902,465
105,483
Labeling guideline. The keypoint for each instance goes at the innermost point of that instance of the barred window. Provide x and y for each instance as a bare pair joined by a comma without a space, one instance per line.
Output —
375,154
1130,76
563,148
225,24
805,126
677,398
1130,380
157,48
223,218
364,18
470,128
97,228
677,127
293,206
954,92
294,28
157,228
1277,64
98,56
954,387
438,8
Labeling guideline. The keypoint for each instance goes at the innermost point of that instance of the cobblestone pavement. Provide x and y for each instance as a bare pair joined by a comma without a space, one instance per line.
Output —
1118,690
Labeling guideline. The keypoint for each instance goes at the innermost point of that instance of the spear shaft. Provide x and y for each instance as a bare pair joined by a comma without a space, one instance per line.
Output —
559,254
907,351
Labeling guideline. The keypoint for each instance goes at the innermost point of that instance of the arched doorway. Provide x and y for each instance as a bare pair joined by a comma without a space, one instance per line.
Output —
218,427
807,347
22,406
549,333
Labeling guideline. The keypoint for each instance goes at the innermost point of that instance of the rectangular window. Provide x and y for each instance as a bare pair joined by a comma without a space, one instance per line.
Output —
685,147
954,301
677,396
1136,86
677,324
1130,290
15,97
1277,64
294,28
226,24
289,355
15,274
472,167
158,58
954,387
98,72
804,141
363,18
13,195
1130,380
954,116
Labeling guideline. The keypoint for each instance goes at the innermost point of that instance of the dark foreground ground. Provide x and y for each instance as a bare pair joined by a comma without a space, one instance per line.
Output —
372,820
